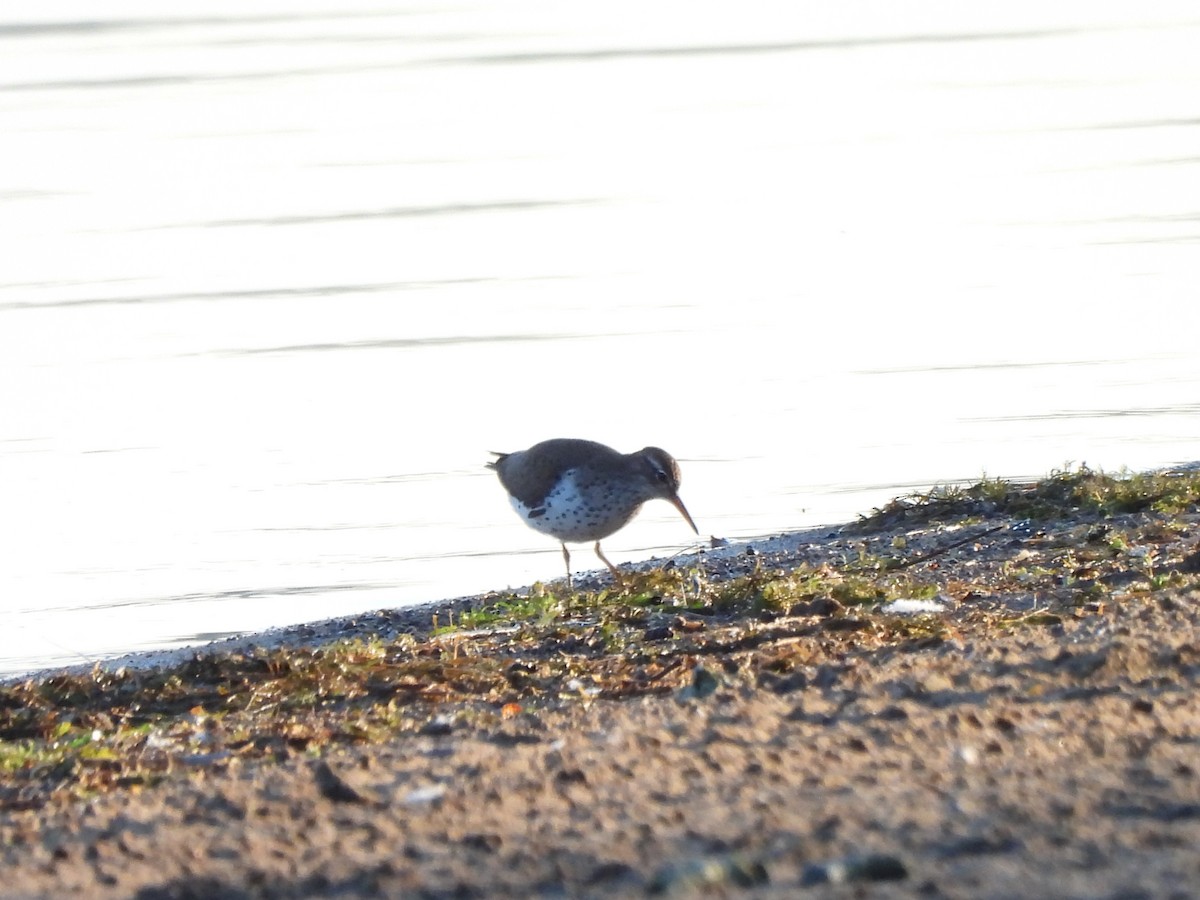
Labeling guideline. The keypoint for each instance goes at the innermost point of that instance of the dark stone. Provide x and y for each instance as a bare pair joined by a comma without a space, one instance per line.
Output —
875,867
436,727
331,785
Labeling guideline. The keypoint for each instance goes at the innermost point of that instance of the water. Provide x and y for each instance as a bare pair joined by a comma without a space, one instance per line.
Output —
274,282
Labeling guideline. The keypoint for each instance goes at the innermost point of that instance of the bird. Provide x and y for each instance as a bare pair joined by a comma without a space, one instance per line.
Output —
580,491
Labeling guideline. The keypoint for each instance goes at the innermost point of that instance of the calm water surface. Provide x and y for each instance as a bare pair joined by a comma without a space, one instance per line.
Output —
275,281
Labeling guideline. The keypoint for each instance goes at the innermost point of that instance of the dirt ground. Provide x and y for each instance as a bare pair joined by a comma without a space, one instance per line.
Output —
1055,755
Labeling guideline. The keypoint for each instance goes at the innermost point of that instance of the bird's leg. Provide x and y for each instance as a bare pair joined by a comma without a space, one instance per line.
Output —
567,560
616,573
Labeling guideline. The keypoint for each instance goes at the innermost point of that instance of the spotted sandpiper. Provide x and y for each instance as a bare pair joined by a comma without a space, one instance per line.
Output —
580,491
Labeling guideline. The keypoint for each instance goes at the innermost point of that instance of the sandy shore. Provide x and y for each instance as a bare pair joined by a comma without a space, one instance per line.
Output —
1036,734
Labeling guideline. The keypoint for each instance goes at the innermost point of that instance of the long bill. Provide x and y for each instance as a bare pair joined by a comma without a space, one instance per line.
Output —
678,504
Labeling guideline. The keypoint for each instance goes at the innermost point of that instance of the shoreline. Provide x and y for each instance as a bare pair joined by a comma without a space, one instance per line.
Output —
414,619
417,618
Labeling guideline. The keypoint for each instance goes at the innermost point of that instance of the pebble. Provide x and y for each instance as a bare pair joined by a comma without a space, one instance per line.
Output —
425,796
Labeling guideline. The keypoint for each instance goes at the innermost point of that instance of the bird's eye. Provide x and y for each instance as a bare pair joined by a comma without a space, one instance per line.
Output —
661,476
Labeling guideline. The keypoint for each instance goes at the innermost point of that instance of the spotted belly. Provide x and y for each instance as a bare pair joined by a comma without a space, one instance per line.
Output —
565,515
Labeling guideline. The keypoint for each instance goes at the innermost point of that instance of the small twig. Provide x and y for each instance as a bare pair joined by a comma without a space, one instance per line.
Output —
675,664
940,550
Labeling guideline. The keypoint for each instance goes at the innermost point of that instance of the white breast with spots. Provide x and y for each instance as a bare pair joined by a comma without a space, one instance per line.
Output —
564,516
